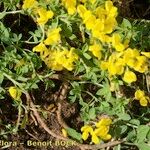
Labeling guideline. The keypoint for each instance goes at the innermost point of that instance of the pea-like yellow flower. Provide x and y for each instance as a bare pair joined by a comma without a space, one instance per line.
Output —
15,92
44,16
98,26
64,133
96,50
81,9
111,9
89,20
87,130
115,64
95,139
109,25
101,13
99,133
44,52
115,69
102,132
104,122
40,48
139,94
104,65
129,56
147,54
129,77
116,42
29,4
53,36
70,5
141,64
143,99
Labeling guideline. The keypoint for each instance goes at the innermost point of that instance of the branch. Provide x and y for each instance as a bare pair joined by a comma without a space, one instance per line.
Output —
82,146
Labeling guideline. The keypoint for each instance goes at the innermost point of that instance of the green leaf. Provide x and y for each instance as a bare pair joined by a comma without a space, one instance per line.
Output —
131,136
123,129
118,147
92,113
2,15
1,77
148,135
143,146
135,122
124,116
74,134
142,132
87,56
126,24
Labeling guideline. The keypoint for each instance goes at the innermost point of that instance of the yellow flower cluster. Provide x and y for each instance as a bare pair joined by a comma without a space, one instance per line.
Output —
99,133
42,14
70,5
14,92
143,99
120,62
101,21
57,59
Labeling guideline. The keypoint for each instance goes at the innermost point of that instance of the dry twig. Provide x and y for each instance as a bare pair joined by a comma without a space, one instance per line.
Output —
57,136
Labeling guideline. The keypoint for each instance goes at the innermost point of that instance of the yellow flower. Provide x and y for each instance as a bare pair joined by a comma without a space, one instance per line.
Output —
89,20
99,133
87,130
102,132
15,93
64,132
44,15
29,4
100,13
143,101
95,138
70,57
39,48
44,52
104,122
81,9
129,76
139,94
141,64
115,64
104,65
110,9
96,50
116,42
147,54
109,24
53,36
98,27
70,5
130,55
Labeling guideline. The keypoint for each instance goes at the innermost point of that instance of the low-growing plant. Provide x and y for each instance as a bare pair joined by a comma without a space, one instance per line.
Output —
103,57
